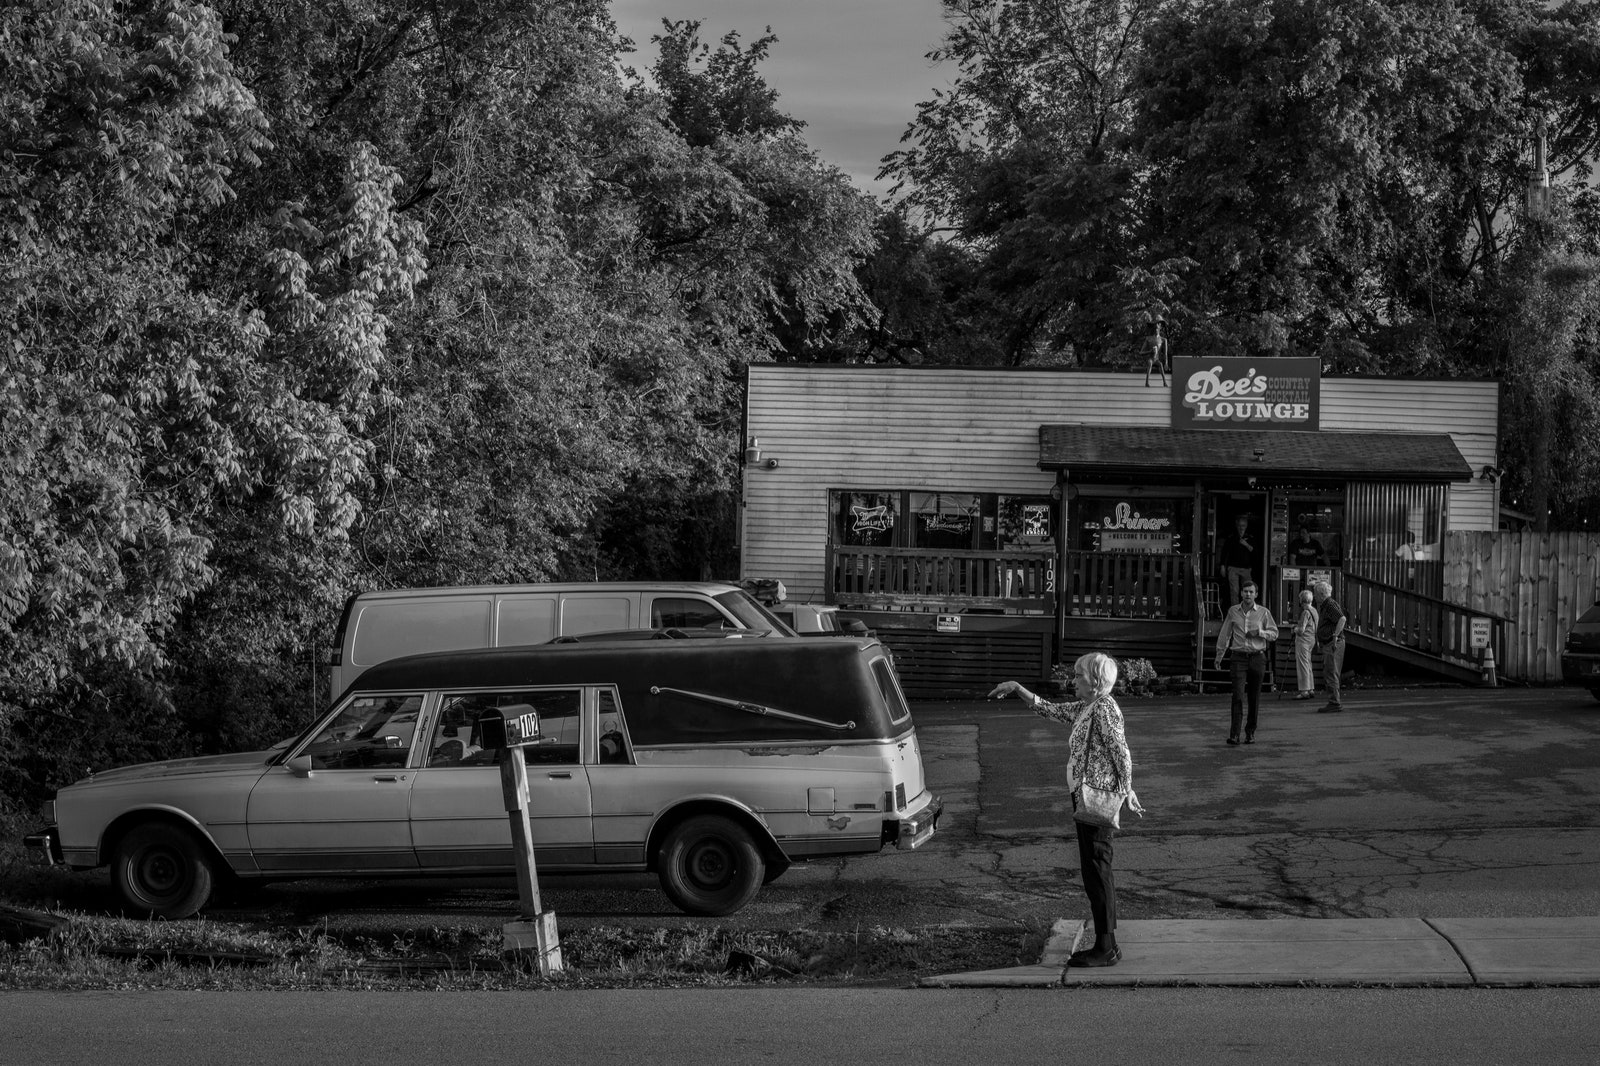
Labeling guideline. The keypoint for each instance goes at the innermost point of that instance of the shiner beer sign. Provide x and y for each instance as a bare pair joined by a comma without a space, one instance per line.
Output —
1235,393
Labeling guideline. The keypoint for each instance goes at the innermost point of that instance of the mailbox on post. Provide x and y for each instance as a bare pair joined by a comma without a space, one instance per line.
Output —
534,932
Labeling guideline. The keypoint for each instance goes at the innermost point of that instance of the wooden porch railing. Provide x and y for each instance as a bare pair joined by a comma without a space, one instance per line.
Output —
1424,623
910,577
1128,585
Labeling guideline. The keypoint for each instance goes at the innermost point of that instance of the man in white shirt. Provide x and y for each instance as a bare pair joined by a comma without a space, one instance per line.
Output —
1246,632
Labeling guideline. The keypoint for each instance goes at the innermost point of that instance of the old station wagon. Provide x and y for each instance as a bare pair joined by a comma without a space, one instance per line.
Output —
715,764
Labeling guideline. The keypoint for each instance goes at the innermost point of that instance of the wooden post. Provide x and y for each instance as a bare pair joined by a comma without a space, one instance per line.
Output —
533,933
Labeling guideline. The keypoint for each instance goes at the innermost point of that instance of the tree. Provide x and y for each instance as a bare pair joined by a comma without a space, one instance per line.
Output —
1024,160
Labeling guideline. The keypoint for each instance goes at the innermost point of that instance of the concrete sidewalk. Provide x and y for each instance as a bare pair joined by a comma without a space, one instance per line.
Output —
1490,952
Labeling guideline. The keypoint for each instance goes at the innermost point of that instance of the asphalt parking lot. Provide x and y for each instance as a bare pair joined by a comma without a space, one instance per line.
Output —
1432,802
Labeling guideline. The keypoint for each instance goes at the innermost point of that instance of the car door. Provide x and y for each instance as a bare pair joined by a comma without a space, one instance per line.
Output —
340,803
458,812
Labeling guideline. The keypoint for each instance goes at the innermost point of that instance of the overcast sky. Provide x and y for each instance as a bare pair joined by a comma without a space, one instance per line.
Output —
852,70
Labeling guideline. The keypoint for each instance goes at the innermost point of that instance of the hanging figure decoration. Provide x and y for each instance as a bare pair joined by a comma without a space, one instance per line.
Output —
1159,353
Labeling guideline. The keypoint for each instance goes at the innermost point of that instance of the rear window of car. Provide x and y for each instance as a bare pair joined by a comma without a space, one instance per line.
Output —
889,685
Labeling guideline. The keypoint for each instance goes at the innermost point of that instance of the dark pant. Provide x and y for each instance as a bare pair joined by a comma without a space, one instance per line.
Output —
1094,855
1249,669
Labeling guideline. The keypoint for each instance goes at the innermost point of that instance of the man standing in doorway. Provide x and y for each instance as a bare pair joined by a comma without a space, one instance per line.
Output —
1238,558
1330,638
1246,632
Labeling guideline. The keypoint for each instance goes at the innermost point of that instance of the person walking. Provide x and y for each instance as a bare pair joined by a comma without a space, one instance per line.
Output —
1097,753
1305,638
1246,632
1330,638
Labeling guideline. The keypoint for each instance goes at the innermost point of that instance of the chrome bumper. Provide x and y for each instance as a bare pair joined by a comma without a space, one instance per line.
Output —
918,828
44,847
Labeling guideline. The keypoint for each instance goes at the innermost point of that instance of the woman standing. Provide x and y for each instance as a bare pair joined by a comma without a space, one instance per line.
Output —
1097,753
1305,638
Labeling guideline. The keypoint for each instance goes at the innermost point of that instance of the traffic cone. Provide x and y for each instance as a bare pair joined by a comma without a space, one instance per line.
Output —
1489,678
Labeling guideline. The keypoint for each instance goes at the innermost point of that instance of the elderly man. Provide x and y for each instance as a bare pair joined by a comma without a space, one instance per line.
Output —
1330,638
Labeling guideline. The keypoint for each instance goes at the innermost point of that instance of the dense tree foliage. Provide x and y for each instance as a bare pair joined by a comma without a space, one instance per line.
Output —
316,295
1341,178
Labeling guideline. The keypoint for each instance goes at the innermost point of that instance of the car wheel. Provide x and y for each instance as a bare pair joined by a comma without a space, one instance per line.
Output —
162,871
710,866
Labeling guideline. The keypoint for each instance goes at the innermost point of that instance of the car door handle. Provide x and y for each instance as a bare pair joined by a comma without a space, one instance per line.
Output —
565,774
390,777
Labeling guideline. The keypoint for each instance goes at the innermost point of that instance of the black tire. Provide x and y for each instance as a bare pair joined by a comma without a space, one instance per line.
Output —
162,871
710,866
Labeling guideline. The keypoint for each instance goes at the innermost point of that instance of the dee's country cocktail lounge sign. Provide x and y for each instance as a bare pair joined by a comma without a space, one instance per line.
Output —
1237,393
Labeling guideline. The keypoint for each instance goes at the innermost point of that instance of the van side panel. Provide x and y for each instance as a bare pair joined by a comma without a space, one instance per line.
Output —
388,629
526,620
590,613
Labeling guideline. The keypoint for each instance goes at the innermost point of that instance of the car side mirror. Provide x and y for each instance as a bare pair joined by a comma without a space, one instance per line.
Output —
300,765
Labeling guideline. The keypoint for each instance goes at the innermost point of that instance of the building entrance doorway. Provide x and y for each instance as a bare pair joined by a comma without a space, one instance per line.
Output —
1236,541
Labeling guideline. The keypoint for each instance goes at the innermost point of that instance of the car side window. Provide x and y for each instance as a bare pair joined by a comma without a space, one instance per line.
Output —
370,732
679,612
560,726
614,746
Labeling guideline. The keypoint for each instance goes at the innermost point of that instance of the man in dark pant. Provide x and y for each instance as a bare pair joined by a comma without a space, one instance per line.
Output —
1330,638
1246,632
1094,855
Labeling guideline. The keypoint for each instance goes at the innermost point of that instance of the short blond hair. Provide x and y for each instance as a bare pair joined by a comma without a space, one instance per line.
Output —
1306,596
1099,670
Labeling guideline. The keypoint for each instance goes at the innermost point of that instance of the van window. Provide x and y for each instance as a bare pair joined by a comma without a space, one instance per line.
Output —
889,685
595,614
560,724
369,732
686,613
527,619
389,629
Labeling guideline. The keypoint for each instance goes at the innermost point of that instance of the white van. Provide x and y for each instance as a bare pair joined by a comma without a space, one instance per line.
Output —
384,625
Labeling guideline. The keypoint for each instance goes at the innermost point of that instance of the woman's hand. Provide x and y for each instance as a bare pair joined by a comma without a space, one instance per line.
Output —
1004,689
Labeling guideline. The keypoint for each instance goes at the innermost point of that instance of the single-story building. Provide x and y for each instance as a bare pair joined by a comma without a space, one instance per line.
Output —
989,522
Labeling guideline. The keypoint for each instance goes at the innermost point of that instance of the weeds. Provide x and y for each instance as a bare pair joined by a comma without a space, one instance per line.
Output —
94,952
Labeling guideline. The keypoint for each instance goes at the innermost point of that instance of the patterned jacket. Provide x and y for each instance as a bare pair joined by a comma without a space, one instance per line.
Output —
1106,762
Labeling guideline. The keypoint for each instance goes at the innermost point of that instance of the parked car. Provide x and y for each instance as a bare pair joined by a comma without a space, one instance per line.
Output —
818,619
1580,656
713,763
385,624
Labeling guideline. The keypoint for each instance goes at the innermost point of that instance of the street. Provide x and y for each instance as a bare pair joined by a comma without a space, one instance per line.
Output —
1198,1026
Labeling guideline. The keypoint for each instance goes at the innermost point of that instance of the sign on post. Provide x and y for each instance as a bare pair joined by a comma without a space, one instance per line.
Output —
534,931
1482,628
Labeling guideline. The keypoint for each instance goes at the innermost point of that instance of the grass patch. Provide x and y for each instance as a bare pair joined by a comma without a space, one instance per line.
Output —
95,952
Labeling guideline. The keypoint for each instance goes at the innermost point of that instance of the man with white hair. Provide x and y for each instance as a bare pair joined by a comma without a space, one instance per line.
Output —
1330,638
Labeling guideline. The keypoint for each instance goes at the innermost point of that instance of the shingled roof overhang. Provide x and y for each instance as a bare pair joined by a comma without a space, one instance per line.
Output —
1142,450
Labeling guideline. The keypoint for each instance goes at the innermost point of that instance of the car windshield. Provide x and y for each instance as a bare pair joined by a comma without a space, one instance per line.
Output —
751,614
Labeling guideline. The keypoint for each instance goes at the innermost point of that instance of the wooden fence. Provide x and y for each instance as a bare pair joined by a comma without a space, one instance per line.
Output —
1541,582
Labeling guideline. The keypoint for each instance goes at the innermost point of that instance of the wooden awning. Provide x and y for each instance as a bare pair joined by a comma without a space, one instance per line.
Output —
1325,455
